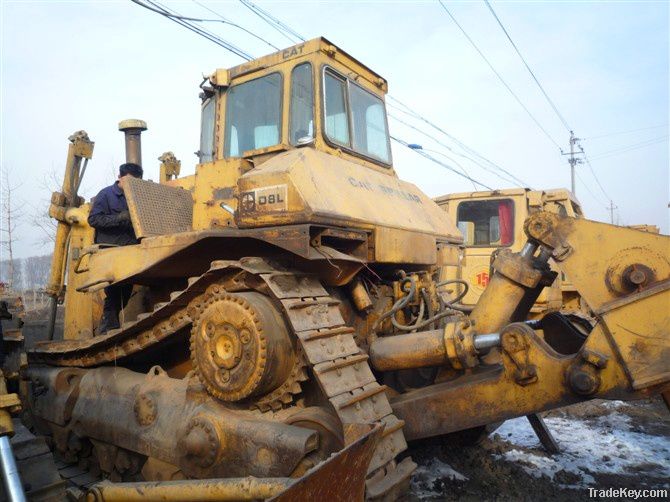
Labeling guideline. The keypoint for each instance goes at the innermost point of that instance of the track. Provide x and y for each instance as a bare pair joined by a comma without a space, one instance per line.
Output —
337,363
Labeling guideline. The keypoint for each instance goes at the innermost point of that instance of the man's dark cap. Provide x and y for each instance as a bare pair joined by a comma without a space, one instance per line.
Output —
132,169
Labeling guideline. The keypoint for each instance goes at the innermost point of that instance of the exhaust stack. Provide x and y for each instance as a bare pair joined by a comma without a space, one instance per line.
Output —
132,129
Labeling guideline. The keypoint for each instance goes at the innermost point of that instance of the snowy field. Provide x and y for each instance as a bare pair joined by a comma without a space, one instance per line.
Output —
607,446
603,445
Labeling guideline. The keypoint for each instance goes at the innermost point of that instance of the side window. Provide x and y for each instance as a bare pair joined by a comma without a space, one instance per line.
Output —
355,117
302,104
253,115
337,125
487,222
369,124
206,152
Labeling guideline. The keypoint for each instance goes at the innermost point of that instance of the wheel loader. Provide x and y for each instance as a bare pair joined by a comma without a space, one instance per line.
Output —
493,220
289,331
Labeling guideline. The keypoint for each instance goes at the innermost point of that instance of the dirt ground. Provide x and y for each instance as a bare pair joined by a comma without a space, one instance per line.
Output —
603,445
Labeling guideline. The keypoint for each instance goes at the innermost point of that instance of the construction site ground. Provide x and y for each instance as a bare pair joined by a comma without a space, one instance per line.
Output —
603,445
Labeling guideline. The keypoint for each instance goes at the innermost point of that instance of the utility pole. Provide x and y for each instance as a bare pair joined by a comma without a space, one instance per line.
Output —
612,208
573,160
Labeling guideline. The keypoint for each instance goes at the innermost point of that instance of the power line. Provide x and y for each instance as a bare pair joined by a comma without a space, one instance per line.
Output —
226,21
412,113
474,184
282,28
277,21
433,159
588,189
573,140
500,77
450,149
562,119
420,147
184,21
593,172
625,132
626,149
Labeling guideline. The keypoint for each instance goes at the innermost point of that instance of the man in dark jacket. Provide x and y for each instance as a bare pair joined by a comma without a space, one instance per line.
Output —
111,220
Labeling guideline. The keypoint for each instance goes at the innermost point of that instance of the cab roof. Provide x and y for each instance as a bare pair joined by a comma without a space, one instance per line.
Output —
313,46
549,194
482,194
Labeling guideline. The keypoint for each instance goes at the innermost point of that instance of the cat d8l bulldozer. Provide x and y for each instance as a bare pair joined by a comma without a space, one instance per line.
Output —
289,332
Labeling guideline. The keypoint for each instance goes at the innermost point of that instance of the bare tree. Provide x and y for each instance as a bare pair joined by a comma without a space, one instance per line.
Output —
11,216
4,271
37,271
40,215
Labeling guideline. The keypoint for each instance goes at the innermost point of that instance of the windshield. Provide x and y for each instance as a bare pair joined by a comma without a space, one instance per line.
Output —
486,222
302,105
348,105
253,115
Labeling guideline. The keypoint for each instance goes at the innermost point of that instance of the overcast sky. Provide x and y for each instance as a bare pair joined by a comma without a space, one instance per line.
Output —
89,64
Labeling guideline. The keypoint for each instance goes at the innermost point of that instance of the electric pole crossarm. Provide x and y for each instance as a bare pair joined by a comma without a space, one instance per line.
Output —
573,160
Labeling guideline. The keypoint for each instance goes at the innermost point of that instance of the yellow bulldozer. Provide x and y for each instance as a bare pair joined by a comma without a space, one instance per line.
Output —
289,331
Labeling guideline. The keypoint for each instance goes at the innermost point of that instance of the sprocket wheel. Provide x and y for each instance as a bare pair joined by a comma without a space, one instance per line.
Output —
242,351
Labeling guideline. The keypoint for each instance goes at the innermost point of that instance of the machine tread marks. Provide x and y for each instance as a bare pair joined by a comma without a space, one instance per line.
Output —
341,369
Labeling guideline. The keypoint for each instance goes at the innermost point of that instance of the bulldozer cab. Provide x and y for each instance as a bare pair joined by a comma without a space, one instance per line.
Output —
312,93
493,220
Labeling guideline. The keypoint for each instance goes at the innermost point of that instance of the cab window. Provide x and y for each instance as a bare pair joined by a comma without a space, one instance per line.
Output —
302,105
207,121
486,222
337,122
355,118
369,123
253,115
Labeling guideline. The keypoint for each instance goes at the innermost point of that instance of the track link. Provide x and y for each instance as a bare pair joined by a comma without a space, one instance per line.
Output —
344,375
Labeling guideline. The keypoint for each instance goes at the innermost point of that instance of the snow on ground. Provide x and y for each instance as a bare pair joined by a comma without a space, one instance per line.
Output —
605,444
423,479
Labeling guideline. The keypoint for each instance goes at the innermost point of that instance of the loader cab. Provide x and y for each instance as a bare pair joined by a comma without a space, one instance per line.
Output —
492,220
